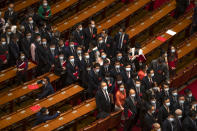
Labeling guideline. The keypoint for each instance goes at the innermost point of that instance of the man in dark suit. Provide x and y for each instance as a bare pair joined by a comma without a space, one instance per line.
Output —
174,97
164,110
60,65
161,71
71,49
101,45
130,110
47,88
121,40
189,123
120,58
103,101
10,14
90,34
117,70
148,81
168,124
29,25
178,120
25,44
73,72
78,35
189,97
43,116
149,119
62,49
94,79
106,68
108,41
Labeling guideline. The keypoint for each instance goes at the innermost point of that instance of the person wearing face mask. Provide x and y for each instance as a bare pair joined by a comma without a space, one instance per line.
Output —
182,105
8,35
4,54
166,92
62,49
85,77
52,53
149,80
103,101
25,44
119,57
168,124
139,89
178,120
78,35
121,40
189,97
14,50
79,56
106,68
95,78
172,60
149,119
47,88
117,70
189,123
100,44
60,65
73,71
110,83
108,42
44,11
30,24
71,49
10,14
120,98
154,102
130,110
43,115
161,71
22,66
90,34
164,110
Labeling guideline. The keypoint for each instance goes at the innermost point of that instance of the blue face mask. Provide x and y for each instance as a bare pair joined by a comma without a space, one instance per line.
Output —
105,88
120,33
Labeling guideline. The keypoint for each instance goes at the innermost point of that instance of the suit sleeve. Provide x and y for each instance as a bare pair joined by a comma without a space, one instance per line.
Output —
52,117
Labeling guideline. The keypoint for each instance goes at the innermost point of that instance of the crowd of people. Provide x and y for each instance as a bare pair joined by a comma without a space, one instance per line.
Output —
109,68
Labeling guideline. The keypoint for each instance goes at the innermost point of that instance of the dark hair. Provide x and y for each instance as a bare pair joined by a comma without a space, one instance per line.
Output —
96,65
186,91
43,110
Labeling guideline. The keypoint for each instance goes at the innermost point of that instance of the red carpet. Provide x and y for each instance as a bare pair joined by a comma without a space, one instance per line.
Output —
192,87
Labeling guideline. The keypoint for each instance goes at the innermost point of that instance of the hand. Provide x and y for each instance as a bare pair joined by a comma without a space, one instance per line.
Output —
64,68
5,61
122,108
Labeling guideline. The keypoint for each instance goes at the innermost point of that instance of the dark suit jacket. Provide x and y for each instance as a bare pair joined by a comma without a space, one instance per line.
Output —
25,46
146,83
71,78
58,67
46,90
148,122
79,37
129,105
178,124
88,36
189,125
162,114
167,126
118,41
14,51
40,118
104,106
12,17
94,81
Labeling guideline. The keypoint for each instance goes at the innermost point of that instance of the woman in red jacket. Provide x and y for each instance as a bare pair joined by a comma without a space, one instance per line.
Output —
172,60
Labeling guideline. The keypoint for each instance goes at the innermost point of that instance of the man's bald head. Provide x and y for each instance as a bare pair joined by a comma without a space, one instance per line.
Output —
178,112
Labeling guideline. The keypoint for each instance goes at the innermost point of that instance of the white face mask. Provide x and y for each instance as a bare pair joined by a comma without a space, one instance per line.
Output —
22,57
121,89
181,101
79,51
31,22
97,70
52,49
87,56
81,29
92,25
168,104
153,102
105,88
133,95
119,82
174,94
155,88
43,83
61,58
47,112
166,89
173,50
152,74
103,56
101,41
45,4
190,95
128,69
28,37
72,60
179,117
117,66
137,85
159,129
171,119
3,43
44,43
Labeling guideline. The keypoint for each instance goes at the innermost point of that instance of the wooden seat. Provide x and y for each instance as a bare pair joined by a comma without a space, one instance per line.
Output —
11,72
92,127
61,5
115,119
68,116
121,14
22,5
103,124
82,15
47,102
150,20
15,93
177,27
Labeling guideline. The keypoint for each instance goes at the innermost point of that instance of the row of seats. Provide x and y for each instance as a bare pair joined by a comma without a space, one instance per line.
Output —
11,72
51,100
121,14
177,27
82,15
22,90
150,20
67,117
